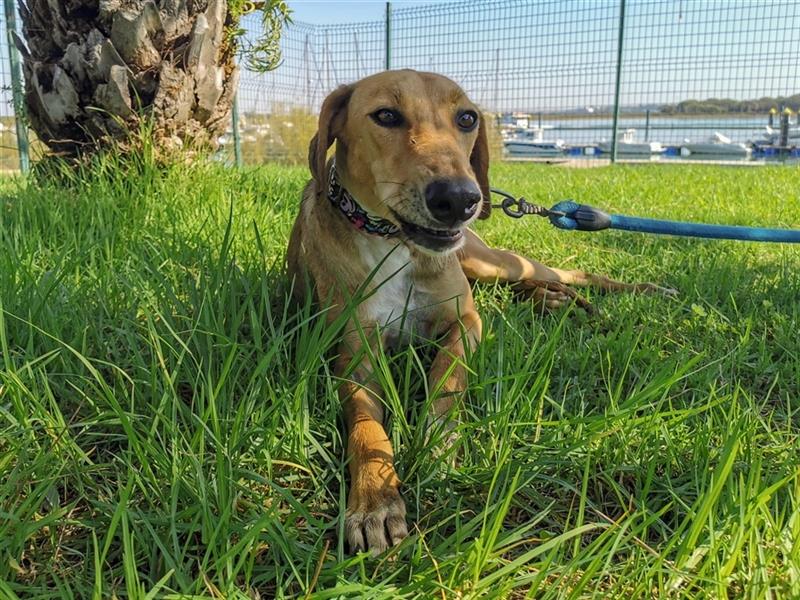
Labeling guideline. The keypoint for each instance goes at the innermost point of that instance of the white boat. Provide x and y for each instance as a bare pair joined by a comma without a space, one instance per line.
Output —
772,137
718,145
628,145
531,142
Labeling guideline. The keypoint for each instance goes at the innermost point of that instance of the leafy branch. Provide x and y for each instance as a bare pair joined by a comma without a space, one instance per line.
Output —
263,53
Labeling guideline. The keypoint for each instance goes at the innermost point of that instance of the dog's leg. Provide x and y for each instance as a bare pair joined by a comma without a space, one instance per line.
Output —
482,263
376,514
448,375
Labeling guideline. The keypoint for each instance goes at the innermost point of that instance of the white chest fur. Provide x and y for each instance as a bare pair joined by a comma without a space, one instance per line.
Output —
395,303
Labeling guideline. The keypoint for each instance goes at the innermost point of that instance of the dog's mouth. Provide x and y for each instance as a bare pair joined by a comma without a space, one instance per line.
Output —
438,240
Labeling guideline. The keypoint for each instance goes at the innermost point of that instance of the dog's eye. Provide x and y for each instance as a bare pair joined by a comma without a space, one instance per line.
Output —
467,120
386,117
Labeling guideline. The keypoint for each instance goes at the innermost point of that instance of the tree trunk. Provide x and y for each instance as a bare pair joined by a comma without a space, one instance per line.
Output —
94,68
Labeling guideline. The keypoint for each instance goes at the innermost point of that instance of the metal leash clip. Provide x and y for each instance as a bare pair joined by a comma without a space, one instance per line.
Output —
519,207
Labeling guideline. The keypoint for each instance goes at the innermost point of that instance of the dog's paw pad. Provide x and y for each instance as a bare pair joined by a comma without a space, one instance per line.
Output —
378,525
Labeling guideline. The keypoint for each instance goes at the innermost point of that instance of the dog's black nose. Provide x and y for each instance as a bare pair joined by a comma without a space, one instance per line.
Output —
452,201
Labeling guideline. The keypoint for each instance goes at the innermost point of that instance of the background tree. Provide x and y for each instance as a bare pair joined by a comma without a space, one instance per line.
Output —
94,68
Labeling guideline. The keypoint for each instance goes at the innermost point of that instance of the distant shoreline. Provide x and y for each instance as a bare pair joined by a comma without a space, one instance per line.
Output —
643,114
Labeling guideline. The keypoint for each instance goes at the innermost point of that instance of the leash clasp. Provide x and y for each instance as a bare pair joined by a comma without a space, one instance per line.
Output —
519,207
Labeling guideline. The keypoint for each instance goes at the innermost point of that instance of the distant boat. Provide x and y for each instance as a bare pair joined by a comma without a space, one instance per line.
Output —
628,145
772,137
718,145
531,142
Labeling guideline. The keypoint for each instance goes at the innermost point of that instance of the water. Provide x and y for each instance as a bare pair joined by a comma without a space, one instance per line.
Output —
670,131
667,130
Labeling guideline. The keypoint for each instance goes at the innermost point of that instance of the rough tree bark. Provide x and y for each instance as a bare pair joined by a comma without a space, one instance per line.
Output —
94,67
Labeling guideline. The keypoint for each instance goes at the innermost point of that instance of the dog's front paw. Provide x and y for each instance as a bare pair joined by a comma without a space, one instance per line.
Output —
375,519
550,295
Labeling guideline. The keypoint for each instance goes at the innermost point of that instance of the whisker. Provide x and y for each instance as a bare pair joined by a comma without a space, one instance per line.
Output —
391,197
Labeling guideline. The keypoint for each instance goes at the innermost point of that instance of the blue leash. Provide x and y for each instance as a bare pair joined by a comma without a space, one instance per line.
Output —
581,217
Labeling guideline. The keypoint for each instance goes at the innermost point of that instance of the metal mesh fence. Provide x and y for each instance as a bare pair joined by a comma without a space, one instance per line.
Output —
278,110
733,52
693,79
680,78
9,157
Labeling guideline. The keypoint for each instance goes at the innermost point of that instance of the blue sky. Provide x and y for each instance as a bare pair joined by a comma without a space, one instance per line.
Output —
544,55
333,13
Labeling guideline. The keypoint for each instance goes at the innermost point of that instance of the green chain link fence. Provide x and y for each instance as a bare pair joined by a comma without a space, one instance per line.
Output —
668,72
13,132
579,78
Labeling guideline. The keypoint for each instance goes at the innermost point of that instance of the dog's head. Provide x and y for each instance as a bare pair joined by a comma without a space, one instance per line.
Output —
412,148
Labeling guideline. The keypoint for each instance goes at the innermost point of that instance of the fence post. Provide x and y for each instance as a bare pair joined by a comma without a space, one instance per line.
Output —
388,35
784,134
16,87
618,81
237,141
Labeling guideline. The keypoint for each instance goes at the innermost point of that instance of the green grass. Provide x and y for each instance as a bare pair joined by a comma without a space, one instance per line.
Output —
169,425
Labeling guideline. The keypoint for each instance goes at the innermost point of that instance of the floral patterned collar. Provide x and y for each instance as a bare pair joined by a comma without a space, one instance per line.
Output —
344,201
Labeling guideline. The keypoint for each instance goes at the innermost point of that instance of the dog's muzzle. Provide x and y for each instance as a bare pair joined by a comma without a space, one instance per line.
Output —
452,202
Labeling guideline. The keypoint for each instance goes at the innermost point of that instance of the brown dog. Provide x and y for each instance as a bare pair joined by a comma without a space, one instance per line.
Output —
390,216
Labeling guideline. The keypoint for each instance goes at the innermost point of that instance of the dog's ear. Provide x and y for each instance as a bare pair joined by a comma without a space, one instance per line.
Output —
479,161
331,122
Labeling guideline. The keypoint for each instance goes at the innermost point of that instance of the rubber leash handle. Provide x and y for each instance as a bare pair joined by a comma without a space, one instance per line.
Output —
579,217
